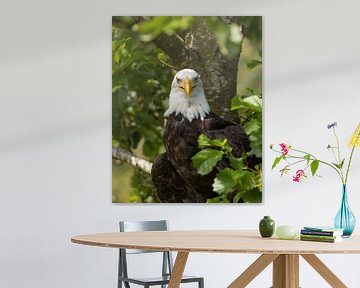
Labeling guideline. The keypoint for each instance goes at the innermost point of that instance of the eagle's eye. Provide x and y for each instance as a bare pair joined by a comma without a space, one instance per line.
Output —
196,79
178,80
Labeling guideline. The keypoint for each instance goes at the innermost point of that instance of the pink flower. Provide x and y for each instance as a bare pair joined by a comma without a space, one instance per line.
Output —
284,148
300,174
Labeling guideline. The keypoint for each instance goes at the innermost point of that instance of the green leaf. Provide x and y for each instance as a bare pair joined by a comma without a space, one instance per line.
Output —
342,163
252,196
255,144
246,180
252,91
236,163
219,199
276,162
225,181
205,160
163,57
204,141
335,164
156,25
254,125
253,63
253,103
307,157
236,103
238,196
314,167
152,28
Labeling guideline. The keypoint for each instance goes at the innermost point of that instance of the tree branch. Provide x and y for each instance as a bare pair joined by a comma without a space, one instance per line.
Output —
119,153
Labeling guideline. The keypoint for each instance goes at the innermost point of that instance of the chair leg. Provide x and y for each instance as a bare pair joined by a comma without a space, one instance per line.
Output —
201,283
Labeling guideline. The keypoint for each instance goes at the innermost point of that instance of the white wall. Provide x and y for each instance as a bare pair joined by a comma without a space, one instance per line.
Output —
55,125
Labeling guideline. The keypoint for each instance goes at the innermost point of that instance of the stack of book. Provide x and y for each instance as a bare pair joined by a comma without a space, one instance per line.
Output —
321,234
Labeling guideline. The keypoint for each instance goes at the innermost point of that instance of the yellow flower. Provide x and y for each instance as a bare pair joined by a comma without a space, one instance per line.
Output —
355,138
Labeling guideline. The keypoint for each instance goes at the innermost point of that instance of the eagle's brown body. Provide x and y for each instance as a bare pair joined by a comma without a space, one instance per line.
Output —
173,173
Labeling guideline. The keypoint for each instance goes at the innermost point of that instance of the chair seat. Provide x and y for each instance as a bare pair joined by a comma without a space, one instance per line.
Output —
158,280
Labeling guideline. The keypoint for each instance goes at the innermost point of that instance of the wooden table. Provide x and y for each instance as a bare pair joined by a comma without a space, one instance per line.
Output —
284,254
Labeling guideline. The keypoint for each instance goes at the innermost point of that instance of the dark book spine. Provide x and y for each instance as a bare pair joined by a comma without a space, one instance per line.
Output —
317,239
319,233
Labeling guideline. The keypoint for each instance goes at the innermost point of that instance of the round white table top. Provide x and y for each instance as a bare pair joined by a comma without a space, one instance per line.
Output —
221,241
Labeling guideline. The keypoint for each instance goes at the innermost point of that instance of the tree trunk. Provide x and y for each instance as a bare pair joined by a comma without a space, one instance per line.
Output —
200,51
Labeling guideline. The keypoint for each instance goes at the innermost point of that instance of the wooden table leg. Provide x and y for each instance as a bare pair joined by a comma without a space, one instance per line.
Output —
286,271
178,269
324,271
253,270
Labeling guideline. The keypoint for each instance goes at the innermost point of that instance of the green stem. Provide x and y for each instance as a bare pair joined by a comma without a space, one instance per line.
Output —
333,152
300,151
323,162
351,155
296,162
312,159
337,145
348,167
339,156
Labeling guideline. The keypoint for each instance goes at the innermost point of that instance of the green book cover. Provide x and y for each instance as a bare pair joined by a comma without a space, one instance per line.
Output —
323,228
319,236
339,239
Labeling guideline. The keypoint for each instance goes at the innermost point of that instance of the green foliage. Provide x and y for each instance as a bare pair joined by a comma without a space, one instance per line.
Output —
138,94
140,87
143,188
294,157
228,37
206,159
225,181
314,166
221,144
154,26
307,158
253,63
250,112
276,162
237,183
219,199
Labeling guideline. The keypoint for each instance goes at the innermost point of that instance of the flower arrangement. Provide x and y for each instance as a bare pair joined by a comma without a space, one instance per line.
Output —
293,156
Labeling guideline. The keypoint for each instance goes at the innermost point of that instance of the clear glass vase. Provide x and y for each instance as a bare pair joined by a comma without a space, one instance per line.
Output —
345,219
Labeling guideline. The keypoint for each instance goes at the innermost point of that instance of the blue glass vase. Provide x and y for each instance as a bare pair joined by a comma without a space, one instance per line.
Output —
345,219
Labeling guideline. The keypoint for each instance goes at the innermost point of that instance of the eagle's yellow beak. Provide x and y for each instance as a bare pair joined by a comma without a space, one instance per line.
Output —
187,86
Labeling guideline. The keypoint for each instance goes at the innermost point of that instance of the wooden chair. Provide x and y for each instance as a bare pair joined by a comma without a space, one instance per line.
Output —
167,262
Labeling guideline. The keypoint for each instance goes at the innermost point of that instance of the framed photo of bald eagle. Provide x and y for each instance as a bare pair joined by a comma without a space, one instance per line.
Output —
187,109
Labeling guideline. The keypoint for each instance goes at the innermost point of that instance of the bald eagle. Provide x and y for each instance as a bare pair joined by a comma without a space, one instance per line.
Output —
189,115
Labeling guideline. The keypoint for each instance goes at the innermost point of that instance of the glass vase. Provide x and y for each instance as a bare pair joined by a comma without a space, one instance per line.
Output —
345,219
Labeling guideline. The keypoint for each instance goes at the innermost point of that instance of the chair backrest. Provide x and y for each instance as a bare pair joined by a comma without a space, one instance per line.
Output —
134,226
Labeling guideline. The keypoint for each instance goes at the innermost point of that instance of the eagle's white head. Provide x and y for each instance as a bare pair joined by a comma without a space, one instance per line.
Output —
187,96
